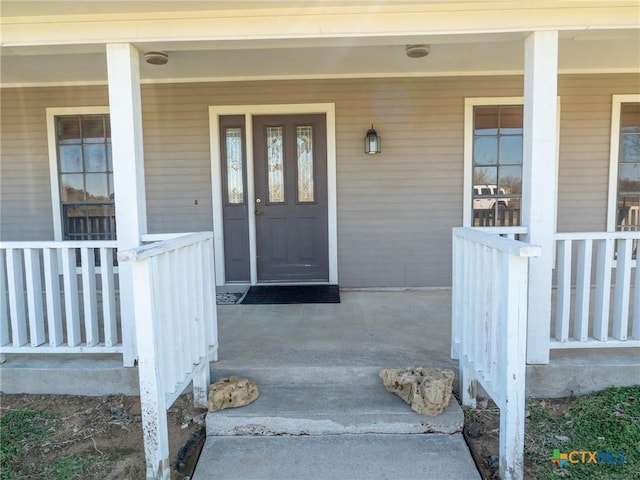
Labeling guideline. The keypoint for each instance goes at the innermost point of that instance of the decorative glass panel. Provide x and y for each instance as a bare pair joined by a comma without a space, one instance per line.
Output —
304,141
235,185
275,164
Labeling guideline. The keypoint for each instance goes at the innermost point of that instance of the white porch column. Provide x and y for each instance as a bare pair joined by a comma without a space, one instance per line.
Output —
540,182
125,109
539,189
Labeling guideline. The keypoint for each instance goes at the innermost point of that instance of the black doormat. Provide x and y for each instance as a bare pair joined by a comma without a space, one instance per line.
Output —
282,294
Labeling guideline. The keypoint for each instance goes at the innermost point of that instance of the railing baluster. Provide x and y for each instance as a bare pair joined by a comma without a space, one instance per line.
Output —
211,314
5,337
603,290
171,337
34,296
72,313
108,297
15,280
623,283
583,290
563,307
89,296
52,289
635,326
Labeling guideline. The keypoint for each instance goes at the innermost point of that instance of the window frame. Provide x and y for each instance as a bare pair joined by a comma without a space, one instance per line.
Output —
52,113
469,104
614,155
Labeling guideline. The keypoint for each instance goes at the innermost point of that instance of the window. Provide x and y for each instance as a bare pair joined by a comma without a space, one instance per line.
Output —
84,200
625,164
493,159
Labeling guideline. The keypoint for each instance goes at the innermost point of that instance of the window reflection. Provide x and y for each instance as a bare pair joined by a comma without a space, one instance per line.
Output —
497,165
628,196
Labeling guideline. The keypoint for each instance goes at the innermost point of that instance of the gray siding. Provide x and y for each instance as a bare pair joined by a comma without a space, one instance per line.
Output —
25,186
395,210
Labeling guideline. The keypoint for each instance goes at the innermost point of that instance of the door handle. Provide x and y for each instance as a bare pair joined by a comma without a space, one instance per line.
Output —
258,212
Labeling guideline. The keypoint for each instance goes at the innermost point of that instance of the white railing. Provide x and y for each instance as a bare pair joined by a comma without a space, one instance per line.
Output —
58,297
585,303
176,325
489,328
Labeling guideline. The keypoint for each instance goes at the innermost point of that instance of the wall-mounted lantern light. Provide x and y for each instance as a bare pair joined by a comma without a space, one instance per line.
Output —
372,142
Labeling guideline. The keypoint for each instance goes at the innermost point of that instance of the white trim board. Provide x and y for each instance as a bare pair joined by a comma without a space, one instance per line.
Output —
249,111
53,157
614,151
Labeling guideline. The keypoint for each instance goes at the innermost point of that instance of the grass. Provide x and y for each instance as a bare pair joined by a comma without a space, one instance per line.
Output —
22,432
607,422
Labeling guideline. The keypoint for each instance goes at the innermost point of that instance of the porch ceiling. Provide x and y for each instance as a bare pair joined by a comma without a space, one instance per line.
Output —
471,54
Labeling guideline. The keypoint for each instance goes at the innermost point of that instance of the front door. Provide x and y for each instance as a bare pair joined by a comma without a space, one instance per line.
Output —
290,174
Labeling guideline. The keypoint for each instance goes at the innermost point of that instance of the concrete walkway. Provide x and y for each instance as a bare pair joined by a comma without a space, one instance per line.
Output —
323,412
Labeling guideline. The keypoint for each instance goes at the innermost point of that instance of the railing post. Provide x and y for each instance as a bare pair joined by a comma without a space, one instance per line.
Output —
511,448
152,397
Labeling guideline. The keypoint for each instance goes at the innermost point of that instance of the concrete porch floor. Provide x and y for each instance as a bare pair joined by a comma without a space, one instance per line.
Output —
370,330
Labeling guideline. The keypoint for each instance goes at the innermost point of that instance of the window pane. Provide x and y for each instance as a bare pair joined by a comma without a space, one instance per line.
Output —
629,178
485,151
96,185
93,129
511,120
109,159
510,180
68,130
111,188
72,188
630,118
485,120
511,150
275,164
630,147
89,222
235,184
70,158
627,218
305,164
94,158
485,176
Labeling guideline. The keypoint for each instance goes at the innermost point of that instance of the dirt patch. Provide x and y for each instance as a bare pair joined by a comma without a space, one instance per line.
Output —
96,437
482,433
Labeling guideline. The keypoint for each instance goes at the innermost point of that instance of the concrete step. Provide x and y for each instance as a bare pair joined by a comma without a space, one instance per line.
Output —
308,375
337,457
334,410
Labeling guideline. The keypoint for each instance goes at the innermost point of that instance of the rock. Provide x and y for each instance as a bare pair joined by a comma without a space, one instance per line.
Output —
231,392
426,389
